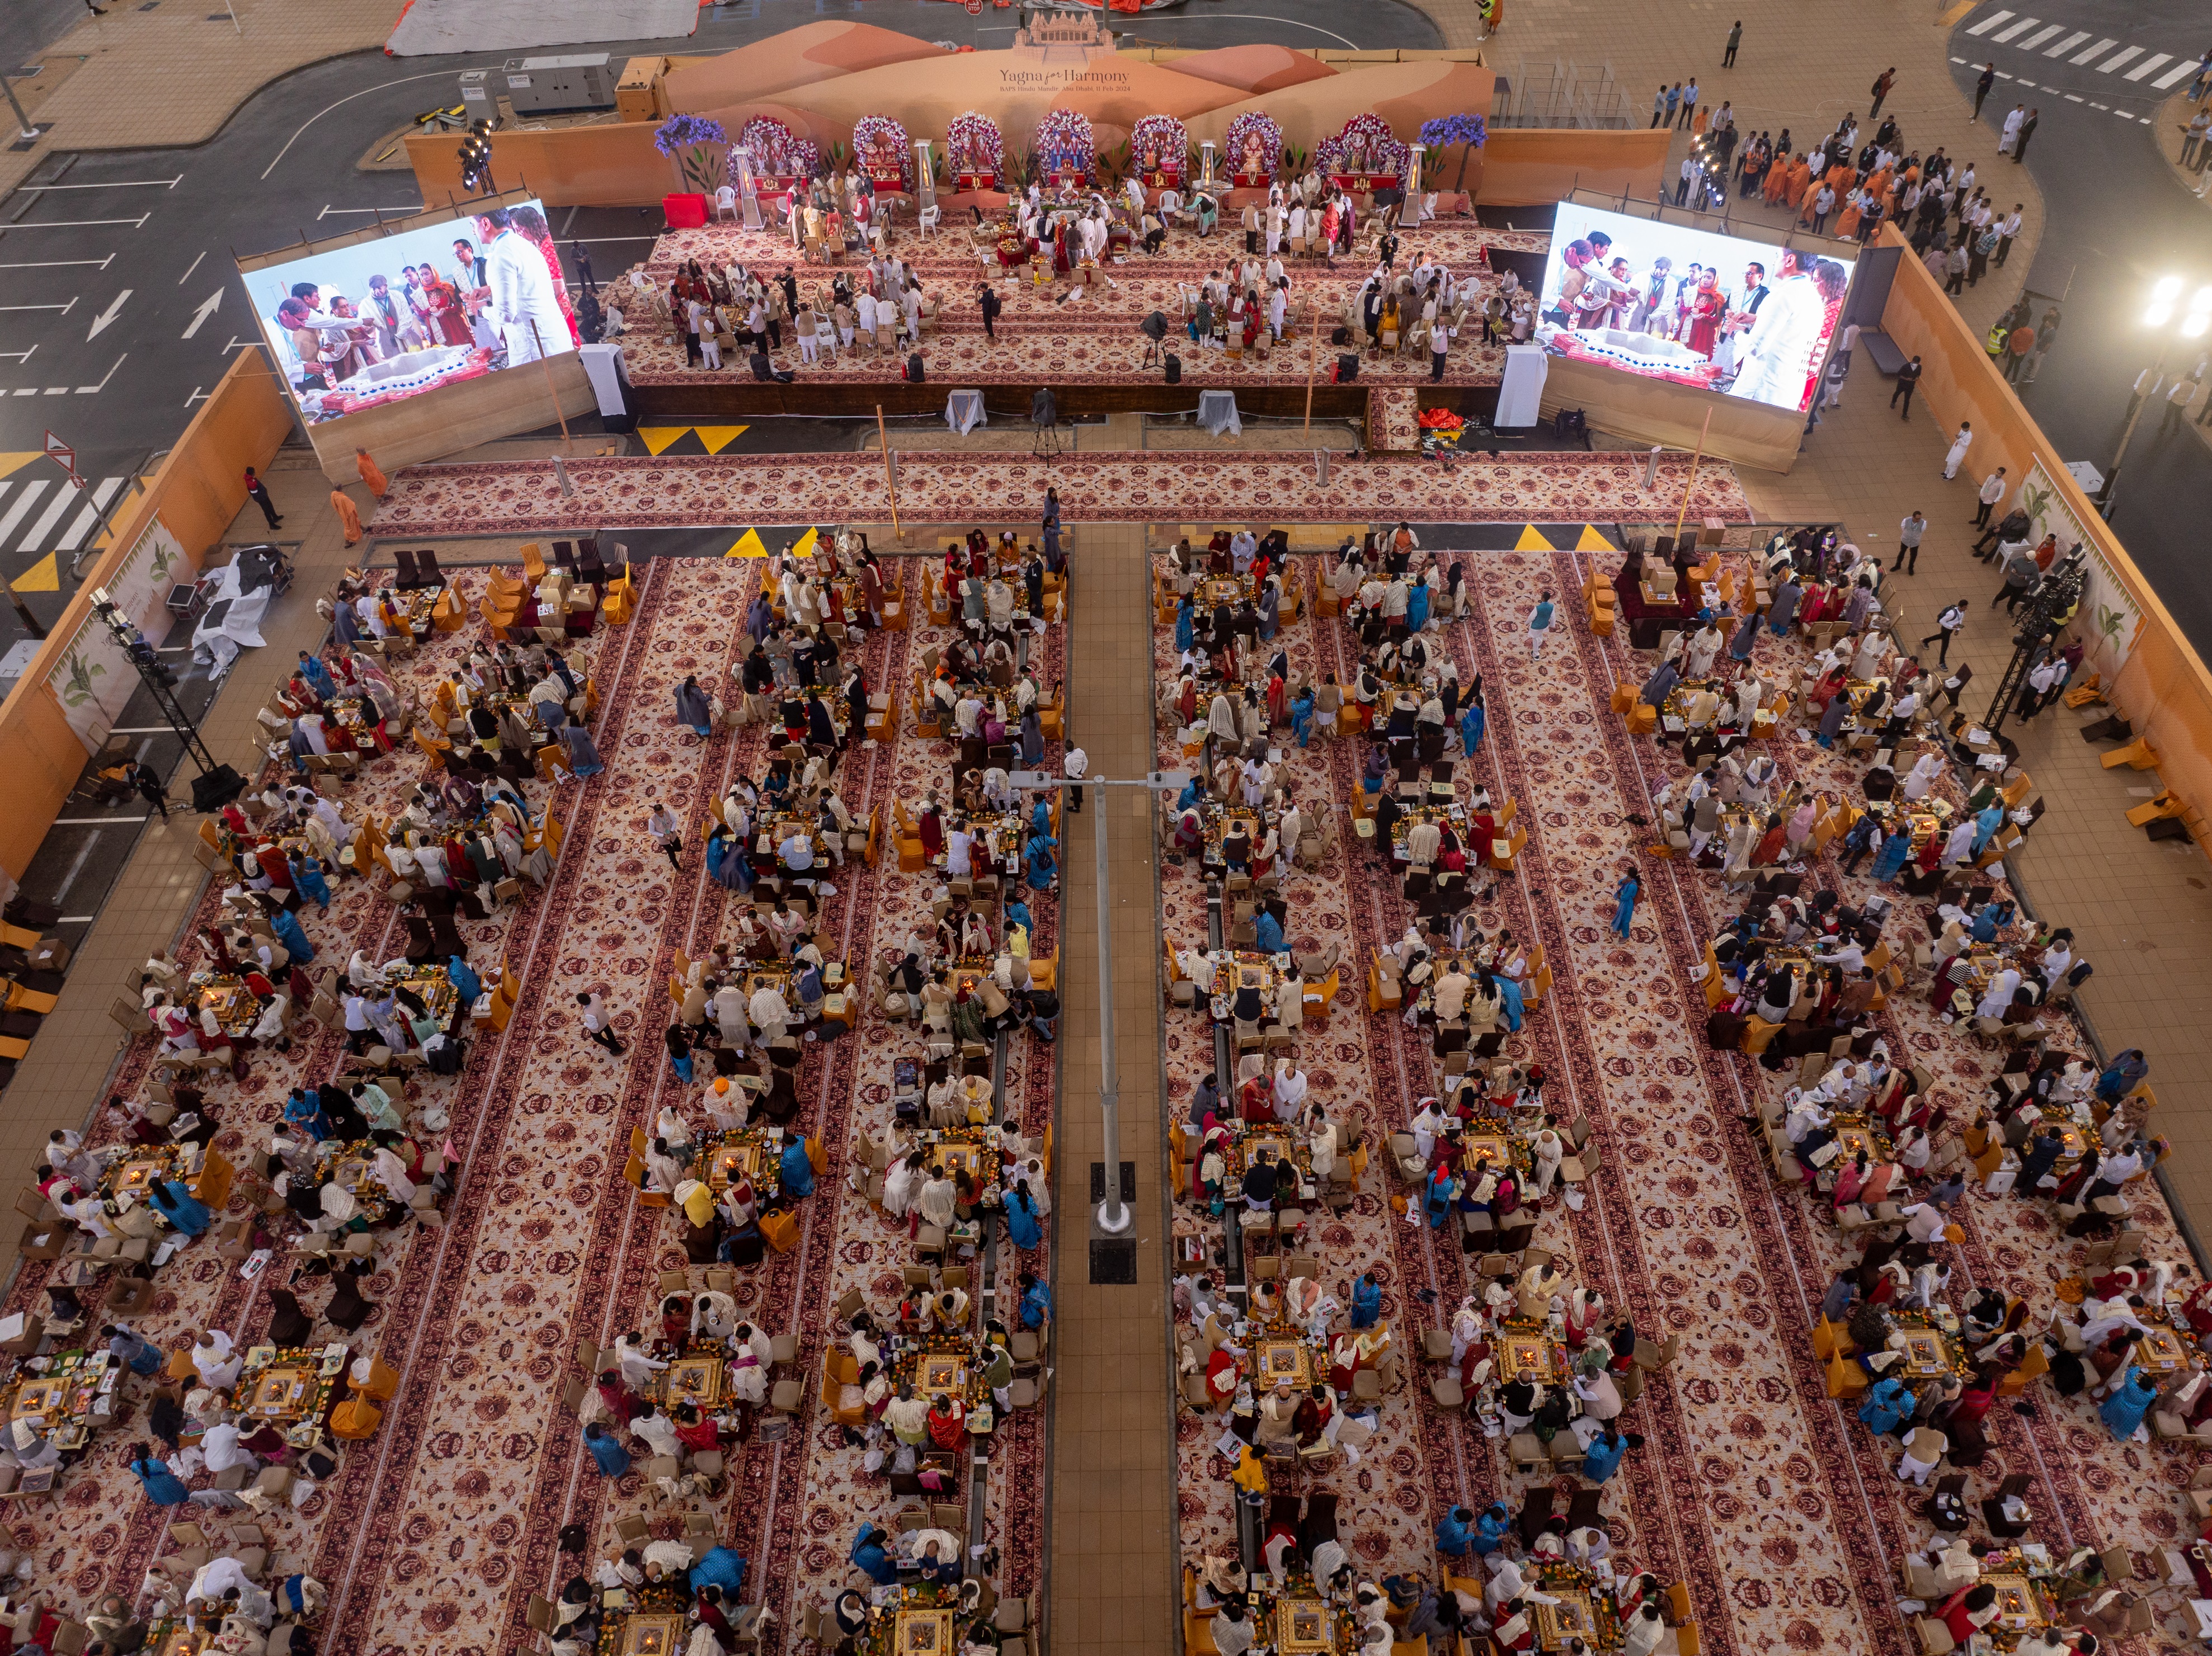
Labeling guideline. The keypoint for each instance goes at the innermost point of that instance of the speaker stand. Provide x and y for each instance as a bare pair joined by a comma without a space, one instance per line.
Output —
1048,445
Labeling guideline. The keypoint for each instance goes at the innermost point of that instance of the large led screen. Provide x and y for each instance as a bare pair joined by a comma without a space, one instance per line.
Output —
376,322
1733,314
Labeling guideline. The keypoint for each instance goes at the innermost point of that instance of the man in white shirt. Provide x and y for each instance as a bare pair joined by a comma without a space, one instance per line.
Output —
521,292
1777,352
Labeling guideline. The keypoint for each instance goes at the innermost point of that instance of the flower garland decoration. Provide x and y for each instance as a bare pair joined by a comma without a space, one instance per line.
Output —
973,147
1471,132
1166,141
1254,135
690,139
777,151
1366,148
875,135
1064,144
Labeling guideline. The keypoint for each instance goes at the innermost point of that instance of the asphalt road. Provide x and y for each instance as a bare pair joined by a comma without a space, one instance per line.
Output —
2117,220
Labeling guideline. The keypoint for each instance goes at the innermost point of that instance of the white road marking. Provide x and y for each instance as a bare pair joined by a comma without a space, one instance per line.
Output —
120,183
189,269
105,378
52,515
396,212
77,224
1989,22
197,395
435,75
2172,75
206,310
2031,85
2068,44
2095,51
2021,27
2071,98
24,502
2118,59
2094,104
2034,41
20,356
63,309
57,263
100,323
85,520
2147,65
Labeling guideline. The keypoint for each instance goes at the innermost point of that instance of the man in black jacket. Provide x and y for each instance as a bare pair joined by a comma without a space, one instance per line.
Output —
987,297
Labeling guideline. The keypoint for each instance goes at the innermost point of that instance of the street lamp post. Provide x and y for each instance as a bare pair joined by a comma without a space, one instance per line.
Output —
2158,317
1114,1216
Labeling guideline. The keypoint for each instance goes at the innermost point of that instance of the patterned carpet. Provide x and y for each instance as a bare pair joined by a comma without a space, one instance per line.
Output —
524,498
447,1519
1771,1501
1045,335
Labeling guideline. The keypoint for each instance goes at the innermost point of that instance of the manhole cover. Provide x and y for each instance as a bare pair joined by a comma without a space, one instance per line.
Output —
1113,1263
1098,1182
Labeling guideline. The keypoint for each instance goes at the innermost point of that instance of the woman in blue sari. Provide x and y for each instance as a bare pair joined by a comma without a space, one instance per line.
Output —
293,935
307,877
1021,1226
1183,634
796,1169
163,1487
1037,856
176,1204
1417,606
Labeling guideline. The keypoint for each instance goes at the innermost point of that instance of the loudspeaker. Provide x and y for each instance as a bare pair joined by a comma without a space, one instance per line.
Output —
1172,368
1154,327
216,788
1339,335
1043,411
2114,729
1347,367
914,372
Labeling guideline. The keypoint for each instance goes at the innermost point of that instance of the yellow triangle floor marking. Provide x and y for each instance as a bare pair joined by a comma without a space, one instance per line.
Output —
1592,541
749,546
41,577
804,546
718,438
657,437
12,463
1530,541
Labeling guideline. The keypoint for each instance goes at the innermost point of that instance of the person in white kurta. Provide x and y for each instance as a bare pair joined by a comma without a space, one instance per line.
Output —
1777,352
1959,445
522,295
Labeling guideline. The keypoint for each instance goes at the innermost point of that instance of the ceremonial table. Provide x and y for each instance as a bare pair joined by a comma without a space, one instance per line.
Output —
755,1153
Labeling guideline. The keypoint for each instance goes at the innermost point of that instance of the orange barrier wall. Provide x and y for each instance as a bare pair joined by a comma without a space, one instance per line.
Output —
607,166
1524,165
2165,689
197,491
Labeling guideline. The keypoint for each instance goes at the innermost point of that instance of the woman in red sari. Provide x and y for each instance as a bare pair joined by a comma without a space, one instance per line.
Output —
445,302
1706,310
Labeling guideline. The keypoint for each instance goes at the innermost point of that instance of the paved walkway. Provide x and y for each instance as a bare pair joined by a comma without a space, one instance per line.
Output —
1112,1569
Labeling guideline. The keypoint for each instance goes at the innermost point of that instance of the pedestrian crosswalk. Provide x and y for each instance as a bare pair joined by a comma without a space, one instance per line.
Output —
2163,71
43,514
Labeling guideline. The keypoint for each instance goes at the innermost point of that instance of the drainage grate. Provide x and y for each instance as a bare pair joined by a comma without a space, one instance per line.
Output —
1113,1263
1098,1182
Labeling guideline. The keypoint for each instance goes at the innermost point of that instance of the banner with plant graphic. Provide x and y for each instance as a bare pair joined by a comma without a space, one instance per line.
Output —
96,679
2109,619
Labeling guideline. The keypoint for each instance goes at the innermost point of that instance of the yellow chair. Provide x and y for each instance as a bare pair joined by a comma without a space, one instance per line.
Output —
1845,1378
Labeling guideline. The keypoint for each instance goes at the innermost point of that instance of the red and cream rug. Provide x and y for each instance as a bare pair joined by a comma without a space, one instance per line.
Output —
525,497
